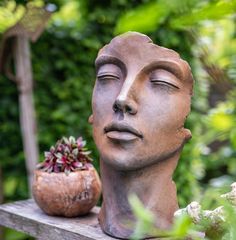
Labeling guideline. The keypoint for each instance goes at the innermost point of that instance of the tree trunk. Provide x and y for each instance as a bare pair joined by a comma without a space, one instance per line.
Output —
27,113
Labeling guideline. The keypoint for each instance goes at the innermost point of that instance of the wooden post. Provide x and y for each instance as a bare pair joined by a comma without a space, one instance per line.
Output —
27,114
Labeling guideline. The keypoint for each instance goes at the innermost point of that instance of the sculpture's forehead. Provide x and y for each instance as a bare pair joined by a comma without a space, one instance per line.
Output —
137,50
133,45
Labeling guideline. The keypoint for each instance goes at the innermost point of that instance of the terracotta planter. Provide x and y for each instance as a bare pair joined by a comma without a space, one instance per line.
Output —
66,195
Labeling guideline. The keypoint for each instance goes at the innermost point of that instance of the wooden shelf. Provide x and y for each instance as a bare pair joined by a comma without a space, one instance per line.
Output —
25,216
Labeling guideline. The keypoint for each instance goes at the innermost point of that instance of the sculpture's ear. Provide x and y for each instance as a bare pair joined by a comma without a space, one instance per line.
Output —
90,120
187,134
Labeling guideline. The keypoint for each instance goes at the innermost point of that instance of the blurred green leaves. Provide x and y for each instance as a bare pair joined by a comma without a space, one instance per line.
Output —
233,138
145,218
145,18
222,119
145,223
70,14
208,11
181,15
214,225
10,13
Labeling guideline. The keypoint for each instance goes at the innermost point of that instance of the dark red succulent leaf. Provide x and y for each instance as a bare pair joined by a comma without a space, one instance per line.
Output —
68,155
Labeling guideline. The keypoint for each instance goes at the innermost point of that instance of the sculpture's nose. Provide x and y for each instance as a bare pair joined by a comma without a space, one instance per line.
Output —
124,107
126,101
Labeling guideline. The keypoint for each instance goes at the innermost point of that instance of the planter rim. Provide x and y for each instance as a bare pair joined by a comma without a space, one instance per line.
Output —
63,173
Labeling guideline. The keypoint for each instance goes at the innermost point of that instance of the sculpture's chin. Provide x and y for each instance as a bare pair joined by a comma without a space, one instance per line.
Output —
119,164
131,163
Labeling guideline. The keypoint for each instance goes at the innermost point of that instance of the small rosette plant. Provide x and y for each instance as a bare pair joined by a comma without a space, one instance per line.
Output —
68,155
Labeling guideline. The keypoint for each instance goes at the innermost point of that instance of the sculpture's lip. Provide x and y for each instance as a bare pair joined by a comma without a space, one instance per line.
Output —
121,129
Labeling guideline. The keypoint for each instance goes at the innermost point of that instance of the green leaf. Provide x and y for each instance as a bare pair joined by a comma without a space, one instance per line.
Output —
10,185
66,140
86,153
71,139
75,151
145,18
14,235
10,14
58,155
145,219
221,118
233,137
138,209
211,11
181,226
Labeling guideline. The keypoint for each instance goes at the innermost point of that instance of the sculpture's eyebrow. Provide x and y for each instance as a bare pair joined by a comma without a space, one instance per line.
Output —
106,59
168,65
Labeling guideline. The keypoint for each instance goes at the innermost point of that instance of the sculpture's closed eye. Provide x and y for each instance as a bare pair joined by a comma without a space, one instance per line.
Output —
161,82
107,77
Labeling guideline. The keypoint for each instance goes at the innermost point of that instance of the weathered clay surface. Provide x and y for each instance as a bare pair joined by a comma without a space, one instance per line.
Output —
66,195
141,99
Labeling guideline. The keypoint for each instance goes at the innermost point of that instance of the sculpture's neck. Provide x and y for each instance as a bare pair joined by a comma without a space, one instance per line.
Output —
154,187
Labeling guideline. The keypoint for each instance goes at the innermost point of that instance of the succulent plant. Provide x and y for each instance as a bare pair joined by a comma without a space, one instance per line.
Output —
68,155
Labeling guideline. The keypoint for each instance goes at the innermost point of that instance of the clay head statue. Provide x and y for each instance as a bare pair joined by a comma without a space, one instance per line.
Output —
141,99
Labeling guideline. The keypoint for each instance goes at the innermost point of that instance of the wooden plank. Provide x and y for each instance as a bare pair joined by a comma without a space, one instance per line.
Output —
25,216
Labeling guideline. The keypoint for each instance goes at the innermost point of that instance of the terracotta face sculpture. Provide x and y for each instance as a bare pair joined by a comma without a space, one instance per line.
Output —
141,99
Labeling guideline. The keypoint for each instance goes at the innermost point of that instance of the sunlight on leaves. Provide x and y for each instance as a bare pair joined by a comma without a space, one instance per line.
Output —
10,14
221,118
145,18
218,37
210,11
68,15
233,138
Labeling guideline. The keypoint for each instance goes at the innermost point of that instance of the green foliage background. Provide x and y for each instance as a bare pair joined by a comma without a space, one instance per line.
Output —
63,67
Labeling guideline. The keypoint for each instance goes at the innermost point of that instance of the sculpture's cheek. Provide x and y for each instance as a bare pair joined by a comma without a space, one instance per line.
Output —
160,119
